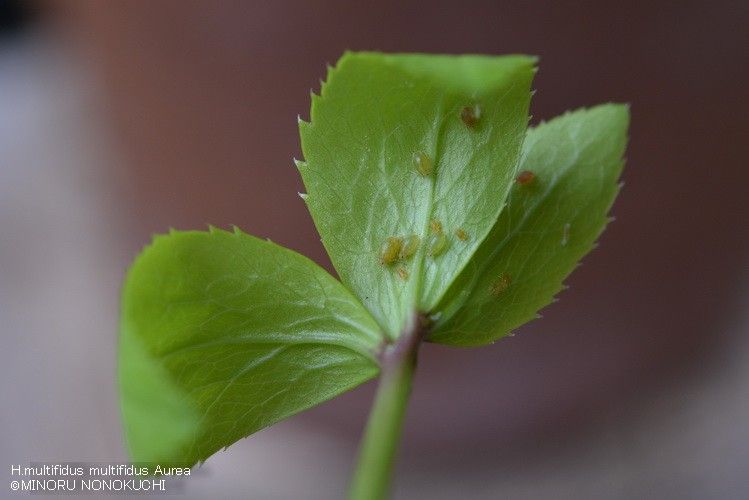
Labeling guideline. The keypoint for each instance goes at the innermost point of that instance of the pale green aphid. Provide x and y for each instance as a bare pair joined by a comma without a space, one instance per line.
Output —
390,250
402,273
423,164
501,284
437,244
410,246
437,240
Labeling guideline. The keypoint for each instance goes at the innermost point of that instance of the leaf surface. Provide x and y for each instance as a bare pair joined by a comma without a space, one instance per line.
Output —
223,334
375,115
550,223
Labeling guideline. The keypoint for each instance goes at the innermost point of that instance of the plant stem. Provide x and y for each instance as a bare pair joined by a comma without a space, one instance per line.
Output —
381,438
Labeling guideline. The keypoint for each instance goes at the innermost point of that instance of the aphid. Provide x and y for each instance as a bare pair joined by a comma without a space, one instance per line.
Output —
525,177
423,164
436,226
461,234
402,273
501,284
390,250
437,244
470,115
565,234
409,247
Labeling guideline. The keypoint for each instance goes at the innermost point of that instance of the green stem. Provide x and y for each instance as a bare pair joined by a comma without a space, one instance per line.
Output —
381,438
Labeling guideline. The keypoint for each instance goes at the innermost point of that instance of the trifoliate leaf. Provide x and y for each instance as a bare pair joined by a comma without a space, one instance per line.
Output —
223,334
566,183
411,148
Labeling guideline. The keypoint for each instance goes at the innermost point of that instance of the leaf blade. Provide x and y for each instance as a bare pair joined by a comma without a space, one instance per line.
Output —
375,113
223,334
547,227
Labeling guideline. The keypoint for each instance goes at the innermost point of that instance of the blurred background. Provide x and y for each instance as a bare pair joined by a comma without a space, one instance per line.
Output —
121,119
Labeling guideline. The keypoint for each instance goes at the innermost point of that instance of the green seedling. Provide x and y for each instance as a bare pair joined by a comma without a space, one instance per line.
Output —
447,218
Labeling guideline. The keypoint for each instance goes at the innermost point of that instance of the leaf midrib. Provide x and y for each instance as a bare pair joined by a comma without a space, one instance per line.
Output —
425,231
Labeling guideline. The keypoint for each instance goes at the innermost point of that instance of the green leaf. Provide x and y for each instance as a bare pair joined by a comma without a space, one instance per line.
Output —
223,334
549,224
375,114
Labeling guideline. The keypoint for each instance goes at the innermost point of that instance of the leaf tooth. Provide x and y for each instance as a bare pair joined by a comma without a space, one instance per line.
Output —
314,98
154,240
303,125
237,231
303,196
329,69
300,164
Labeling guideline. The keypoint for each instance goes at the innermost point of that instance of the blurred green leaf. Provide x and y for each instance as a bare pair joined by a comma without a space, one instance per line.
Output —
549,224
223,334
397,141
